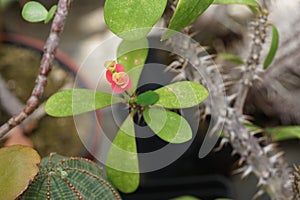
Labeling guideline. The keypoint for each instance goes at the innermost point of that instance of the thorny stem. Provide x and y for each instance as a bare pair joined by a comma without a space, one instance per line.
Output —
252,61
45,68
264,161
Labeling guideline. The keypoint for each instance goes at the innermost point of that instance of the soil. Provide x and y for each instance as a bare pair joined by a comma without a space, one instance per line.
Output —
19,67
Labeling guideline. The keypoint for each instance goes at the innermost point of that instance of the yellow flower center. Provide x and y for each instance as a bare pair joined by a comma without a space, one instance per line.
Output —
121,79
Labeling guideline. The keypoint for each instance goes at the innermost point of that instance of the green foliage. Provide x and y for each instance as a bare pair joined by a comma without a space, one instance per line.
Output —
69,178
147,98
36,12
231,58
122,160
244,2
182,94
50,14
273,47
186,12
122,16
18,166
168,125
278,133
283,132
132,55
77,101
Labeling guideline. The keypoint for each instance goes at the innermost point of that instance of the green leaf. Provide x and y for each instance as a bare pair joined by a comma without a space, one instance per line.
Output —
244,2
34,12
182,94
273,47
77,101
50,14
231,57
147,98
186,12
168,125
122,164
122,16
18,167
284,132
132,55
185,198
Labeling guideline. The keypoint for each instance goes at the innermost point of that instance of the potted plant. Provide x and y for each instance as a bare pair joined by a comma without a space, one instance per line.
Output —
161,107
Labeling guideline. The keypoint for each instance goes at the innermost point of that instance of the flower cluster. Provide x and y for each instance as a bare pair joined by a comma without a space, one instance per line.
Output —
120,81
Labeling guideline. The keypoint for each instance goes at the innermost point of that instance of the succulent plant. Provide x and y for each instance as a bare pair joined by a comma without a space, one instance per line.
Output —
69,178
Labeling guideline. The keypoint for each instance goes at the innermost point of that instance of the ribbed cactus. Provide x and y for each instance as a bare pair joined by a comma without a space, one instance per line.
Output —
69,178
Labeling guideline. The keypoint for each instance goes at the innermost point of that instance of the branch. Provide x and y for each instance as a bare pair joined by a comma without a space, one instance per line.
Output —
265,162
45,68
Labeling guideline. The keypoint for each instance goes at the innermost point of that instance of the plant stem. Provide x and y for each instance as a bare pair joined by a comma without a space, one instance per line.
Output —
264,161
45,68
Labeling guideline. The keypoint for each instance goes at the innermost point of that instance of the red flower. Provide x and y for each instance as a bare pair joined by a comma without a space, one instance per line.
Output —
115,74
120,82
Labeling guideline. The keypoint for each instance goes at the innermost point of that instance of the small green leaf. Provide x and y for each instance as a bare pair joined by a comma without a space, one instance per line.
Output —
186,12
77,101
132,55
231,57
284,132
147,98
50,14
244,2
124,17
122,164
34,12
182,94
168,125
273,47
18,167
185,198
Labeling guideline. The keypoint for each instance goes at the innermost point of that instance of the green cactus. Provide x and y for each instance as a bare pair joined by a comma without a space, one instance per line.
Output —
69,178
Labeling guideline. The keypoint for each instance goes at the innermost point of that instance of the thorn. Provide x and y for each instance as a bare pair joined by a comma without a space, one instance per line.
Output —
241,68
193,34
248,117
274,158
213,130
245,121
234,152
269,148
262,139
223,142
257,131
257,78
231,98
181,76
199,50
241,161
261,182
258,194
237,171
246,172
229,83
